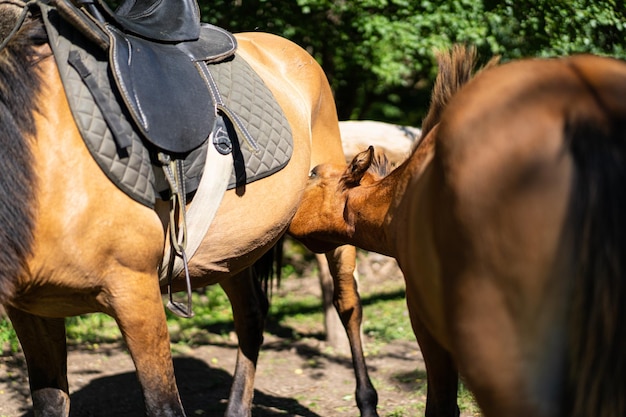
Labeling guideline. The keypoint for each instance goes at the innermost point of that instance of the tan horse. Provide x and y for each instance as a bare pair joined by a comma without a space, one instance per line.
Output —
508,224
73,243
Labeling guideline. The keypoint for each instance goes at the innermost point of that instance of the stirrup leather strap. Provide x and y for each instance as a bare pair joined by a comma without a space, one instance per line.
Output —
173,170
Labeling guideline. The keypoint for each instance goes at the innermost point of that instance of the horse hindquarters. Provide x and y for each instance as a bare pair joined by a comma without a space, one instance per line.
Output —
530,226
499,217
504,269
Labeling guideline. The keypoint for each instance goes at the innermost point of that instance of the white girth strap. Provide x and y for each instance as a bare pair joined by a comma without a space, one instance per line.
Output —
217,172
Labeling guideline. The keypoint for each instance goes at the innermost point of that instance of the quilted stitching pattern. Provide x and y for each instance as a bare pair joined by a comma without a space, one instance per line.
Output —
243,92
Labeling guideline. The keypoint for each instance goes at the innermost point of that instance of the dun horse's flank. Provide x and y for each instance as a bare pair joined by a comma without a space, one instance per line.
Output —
73,243
508,224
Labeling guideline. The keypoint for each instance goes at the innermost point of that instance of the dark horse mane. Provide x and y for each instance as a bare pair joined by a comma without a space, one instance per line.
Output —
380,165
456,67
19,85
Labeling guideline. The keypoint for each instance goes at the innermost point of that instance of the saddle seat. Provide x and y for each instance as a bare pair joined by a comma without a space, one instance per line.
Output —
156,51
156,20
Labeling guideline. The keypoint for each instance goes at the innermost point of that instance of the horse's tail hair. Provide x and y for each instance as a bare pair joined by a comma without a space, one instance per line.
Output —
19,83
268,267
596,380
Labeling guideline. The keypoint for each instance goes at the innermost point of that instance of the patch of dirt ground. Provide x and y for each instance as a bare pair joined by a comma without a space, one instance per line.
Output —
295,377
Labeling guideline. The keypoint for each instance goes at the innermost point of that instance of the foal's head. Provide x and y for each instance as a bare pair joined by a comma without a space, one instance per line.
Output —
322,221
337,195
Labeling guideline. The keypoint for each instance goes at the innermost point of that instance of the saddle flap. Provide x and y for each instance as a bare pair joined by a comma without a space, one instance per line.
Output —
158,20
167,97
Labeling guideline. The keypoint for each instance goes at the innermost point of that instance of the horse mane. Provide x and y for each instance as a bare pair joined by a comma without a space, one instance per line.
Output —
20,82
456,67
380,165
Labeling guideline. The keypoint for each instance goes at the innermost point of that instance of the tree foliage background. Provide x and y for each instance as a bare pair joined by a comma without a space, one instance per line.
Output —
379,54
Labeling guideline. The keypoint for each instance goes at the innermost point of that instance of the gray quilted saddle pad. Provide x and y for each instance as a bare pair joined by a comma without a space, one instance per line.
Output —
134,169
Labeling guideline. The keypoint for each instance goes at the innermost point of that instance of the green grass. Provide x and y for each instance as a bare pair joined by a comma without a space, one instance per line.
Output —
386,318
213,318
91,329
8,339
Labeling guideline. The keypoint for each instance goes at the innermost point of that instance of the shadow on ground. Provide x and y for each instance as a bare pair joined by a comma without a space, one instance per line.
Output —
203,390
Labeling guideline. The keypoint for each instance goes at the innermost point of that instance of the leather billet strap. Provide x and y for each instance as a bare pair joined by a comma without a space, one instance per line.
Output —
226,111
122,140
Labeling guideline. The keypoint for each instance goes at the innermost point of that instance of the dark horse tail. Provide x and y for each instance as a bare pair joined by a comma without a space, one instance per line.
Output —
597,360
19,85
268,267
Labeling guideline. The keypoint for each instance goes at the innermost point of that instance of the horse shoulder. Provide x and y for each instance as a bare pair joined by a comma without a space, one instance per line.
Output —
78,204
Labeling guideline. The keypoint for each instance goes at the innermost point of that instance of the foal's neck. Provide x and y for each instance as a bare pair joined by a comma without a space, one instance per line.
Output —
371,211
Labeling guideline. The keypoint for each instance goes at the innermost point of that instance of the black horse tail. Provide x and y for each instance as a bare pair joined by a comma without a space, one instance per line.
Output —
268,267
596,384
19,86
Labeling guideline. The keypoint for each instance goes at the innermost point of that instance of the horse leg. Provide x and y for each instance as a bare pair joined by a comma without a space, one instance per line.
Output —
441,371
44,346
136,305
347,301
335,333
250,306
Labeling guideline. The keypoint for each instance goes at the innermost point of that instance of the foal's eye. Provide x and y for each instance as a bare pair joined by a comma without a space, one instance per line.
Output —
313,173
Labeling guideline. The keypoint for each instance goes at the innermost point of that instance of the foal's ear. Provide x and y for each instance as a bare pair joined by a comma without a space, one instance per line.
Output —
358,167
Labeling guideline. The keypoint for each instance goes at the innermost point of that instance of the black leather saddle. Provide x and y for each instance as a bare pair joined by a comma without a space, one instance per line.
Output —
156,49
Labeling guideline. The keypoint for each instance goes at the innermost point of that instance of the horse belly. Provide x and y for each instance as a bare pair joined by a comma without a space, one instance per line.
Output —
249,221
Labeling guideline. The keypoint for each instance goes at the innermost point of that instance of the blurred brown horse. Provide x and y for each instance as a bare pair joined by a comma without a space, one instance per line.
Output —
508,224
73,243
